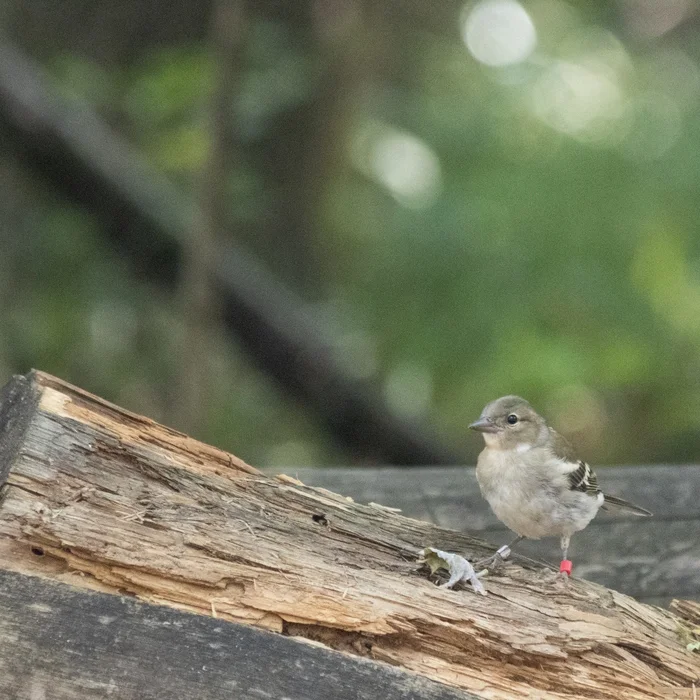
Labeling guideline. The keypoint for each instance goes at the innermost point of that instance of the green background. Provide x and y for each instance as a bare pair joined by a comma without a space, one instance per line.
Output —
461,230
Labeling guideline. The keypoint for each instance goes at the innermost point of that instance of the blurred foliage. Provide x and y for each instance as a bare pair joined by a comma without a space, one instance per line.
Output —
510,212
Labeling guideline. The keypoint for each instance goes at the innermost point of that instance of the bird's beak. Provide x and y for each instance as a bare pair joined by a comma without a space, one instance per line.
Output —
484,425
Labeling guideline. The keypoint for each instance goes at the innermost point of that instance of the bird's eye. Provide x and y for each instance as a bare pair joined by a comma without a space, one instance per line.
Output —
512,419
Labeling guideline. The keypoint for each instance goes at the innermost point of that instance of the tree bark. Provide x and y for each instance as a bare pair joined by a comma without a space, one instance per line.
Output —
104,499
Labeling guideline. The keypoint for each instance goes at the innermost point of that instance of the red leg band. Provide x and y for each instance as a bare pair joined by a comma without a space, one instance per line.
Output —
566,566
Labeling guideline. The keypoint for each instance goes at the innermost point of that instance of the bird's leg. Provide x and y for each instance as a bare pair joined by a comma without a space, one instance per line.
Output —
566,566
495,560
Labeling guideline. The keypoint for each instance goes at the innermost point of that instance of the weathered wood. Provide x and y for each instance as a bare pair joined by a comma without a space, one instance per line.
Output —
104,499
653,559
689,610
62,643
17,405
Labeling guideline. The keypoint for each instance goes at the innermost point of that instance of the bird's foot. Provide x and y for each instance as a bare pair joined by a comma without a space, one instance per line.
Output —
490,564
561,580
495,561
562,577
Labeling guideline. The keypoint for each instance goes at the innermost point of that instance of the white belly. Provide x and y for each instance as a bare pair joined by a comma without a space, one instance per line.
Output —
530,504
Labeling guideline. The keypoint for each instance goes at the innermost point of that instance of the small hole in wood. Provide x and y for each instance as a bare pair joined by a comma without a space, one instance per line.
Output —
38,551
320,518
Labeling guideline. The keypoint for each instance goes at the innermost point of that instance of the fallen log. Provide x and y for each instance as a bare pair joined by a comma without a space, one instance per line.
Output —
107,500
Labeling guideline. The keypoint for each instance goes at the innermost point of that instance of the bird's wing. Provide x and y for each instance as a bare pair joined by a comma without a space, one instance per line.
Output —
582,478
580,475
621,505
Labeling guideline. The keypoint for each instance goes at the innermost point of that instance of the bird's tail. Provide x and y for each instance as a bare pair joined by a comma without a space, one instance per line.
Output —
622,506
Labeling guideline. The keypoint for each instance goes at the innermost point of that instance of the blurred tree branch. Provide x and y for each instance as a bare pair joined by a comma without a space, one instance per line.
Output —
65,142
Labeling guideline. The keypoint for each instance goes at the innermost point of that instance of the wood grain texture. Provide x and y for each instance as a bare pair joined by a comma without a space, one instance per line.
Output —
653,559
104,499
62,643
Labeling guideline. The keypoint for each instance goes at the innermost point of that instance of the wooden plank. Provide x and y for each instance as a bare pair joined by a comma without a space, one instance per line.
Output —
58,642
670,492
643,559
17,404
654,559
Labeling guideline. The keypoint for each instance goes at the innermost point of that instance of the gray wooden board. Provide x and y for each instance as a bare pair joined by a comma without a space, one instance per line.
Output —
17,403
58,642
653,559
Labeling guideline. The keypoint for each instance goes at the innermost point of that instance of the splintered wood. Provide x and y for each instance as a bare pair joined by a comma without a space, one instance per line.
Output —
104,499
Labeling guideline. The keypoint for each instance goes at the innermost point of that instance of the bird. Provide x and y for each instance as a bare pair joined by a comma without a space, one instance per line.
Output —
533,480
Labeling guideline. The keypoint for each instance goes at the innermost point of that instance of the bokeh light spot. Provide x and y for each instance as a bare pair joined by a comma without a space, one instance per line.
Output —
578,100
499,32
399,161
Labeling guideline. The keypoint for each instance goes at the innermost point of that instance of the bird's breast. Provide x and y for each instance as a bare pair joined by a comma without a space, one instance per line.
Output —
503,485
526,501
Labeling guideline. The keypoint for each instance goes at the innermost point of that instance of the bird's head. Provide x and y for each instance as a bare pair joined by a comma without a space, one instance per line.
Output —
511,423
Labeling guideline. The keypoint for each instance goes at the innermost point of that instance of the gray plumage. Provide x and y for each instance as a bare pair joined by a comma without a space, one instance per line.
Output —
532,478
